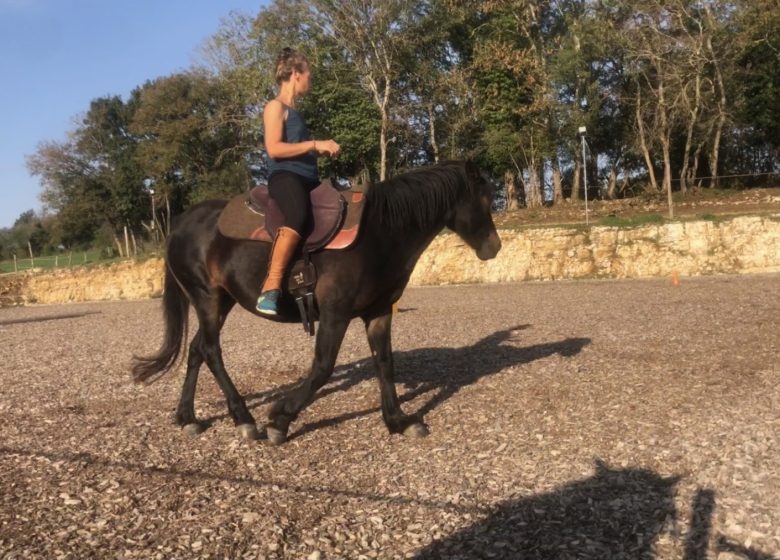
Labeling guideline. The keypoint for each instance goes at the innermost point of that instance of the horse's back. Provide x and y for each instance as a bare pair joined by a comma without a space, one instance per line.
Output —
193,232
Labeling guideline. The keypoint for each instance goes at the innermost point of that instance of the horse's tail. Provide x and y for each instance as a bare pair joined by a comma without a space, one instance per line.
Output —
175,312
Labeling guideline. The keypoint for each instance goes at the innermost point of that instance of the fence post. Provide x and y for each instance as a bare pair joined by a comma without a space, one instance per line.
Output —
32,260
70,258
56,261
16,268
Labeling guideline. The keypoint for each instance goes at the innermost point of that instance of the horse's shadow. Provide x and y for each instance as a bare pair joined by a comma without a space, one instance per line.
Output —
443,371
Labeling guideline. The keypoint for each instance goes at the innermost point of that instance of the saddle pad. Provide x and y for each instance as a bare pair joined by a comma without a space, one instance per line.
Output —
239,220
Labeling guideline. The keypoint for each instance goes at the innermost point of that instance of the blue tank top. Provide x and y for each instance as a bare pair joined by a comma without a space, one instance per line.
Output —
294,131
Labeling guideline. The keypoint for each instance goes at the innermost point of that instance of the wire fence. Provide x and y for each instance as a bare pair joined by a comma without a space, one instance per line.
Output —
49,262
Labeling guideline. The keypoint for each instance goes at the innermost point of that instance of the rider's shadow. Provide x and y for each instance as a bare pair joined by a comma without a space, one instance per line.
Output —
441,371
612,514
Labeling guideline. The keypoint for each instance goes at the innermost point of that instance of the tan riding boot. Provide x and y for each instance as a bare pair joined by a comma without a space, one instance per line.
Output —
282,251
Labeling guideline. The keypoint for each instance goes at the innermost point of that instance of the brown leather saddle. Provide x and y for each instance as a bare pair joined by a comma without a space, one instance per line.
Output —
335,224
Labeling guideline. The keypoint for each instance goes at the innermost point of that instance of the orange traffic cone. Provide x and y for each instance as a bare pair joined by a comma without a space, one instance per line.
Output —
675,278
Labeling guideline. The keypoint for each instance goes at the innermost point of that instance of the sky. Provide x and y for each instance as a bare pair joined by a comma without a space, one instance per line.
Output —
58,55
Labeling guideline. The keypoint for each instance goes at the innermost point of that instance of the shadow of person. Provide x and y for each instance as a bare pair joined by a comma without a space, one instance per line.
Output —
444,371
615,514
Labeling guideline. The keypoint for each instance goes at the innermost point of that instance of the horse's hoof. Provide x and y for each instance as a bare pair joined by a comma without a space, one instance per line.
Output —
193,429
248,432
416,430
275,435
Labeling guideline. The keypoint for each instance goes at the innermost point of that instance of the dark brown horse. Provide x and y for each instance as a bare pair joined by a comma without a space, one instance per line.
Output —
213,273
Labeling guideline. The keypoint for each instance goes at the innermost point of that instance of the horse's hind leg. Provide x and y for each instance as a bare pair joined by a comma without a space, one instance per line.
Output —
286,409
185,412
378,332
212,310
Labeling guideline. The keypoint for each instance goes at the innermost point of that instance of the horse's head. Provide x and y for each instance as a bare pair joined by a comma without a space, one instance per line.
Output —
472,219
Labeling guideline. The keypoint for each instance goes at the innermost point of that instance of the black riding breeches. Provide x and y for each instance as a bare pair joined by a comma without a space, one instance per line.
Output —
291,193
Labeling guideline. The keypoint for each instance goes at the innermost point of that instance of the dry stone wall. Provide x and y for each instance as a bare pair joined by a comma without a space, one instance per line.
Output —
738,245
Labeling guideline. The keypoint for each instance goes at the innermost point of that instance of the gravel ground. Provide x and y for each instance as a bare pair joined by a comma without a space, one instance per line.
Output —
593,419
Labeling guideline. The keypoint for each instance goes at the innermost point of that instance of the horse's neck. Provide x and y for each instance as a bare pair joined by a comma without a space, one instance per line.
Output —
402,250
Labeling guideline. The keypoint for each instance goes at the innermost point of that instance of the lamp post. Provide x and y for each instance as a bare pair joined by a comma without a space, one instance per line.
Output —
151,196
582,130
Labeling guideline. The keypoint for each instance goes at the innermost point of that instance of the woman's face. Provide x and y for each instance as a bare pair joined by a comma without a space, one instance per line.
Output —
302,80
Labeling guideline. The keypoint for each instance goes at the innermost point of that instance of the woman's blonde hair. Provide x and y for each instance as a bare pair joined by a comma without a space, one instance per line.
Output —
289,61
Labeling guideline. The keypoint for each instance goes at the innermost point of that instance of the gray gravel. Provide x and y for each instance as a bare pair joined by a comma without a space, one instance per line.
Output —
592,419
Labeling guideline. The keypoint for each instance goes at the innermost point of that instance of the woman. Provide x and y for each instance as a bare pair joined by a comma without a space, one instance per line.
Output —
293,168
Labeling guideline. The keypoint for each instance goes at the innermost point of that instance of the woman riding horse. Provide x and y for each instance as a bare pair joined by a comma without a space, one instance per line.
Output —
212,273
292,166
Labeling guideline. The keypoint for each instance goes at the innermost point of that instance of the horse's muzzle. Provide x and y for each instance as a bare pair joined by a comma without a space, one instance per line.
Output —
490,247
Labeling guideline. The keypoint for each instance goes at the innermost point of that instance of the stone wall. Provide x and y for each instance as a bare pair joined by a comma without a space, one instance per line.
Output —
738,245
126,280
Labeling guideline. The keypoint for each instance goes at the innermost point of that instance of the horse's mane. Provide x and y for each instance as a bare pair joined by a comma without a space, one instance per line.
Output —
419,197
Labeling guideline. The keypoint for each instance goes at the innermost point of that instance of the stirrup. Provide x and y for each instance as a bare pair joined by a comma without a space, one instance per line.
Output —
267,302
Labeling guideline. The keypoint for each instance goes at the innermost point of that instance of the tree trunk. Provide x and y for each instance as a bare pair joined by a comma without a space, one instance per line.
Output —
665,144
557,181
167,216
715,182
383,147
510,185
118,246
694,117
432,133
721,106
643,140
575,181
612,183
533,193
127,244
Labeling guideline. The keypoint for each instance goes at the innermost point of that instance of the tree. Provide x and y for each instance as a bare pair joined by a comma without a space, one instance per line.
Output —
187,150
376,38
93,177
757,76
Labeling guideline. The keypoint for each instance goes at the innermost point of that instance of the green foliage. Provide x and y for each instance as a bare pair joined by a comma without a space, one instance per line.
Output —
758,72
507,82
190,149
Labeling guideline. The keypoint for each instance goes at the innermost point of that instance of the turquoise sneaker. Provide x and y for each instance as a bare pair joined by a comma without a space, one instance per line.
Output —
266,303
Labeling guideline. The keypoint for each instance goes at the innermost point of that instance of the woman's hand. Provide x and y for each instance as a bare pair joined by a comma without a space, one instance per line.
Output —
327,148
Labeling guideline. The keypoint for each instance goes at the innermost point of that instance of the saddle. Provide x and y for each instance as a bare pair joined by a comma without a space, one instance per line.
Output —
335,224
336,217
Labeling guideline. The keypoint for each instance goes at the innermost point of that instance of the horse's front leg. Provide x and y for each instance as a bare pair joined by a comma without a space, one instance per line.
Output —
378,331
286,409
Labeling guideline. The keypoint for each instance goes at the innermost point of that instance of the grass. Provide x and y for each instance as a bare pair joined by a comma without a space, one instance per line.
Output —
616,221
50,262
710,217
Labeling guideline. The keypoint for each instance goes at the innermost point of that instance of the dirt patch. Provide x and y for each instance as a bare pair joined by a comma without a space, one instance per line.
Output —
593,419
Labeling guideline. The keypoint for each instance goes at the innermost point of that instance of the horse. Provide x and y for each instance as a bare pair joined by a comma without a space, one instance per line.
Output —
212,273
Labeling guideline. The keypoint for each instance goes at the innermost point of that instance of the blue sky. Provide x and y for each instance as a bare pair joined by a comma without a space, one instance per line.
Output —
58,55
